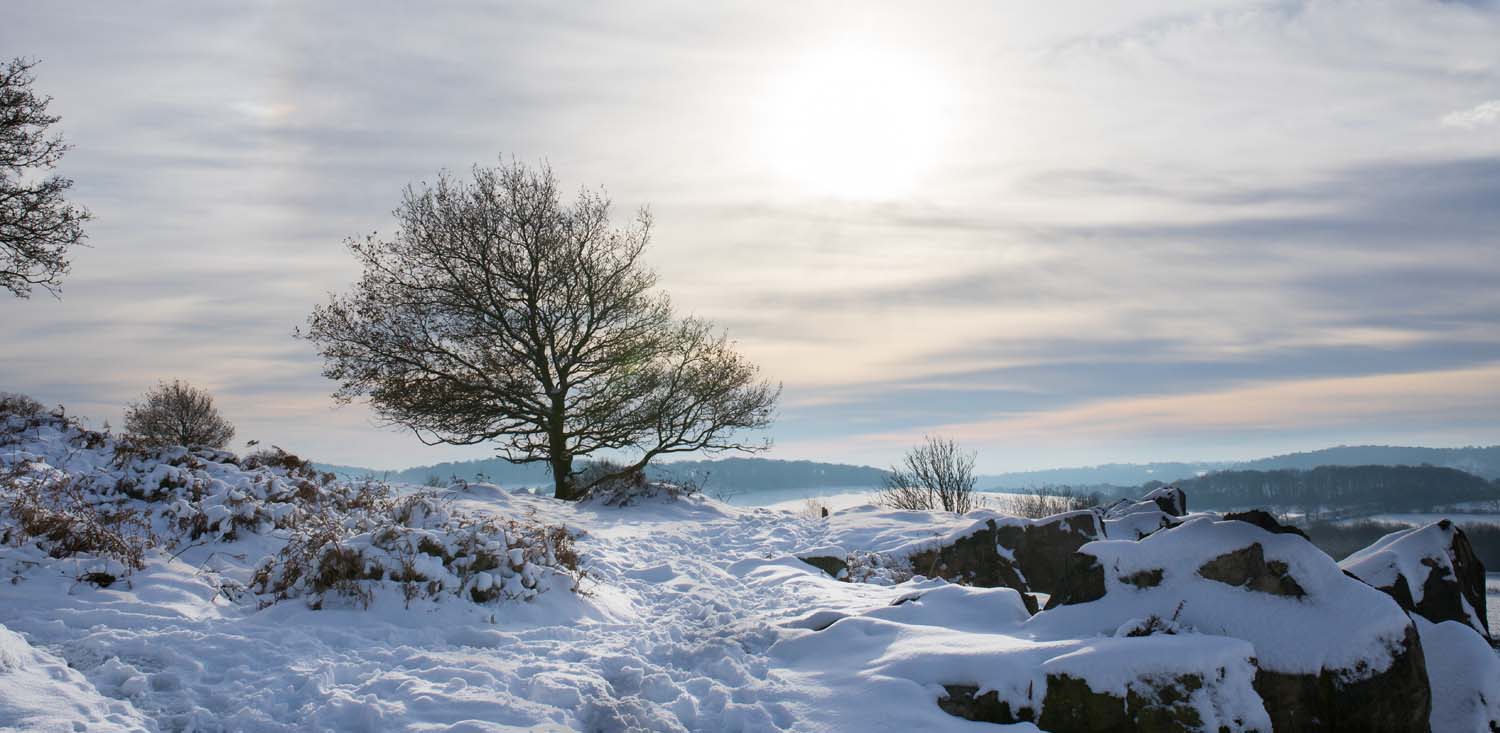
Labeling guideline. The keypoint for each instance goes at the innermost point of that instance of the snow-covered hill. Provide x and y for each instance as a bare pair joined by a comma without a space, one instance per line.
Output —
674,615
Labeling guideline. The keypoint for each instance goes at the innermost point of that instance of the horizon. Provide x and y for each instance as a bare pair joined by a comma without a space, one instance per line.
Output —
979,473
1063,236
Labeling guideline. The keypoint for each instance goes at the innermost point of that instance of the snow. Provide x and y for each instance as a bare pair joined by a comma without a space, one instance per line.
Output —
690,615
38,692
1341,623
1401,553
1464,673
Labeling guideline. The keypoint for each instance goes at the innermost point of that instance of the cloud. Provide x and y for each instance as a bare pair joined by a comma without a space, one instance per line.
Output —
1156,203
1480,115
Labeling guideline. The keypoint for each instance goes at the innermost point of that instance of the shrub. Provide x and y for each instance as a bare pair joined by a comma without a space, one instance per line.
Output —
1045,502
55,514
630,486
416,545
934,475
178,414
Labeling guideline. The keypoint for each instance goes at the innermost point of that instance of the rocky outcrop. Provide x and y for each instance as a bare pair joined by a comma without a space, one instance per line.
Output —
1133,520
1431,571
1158,705
972,559
1248,568
1228,578
1265,521
1082,582
965,701
1395,699
1020,554
1041,548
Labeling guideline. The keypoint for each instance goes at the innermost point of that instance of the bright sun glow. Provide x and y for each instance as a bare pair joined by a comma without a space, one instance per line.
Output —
856,122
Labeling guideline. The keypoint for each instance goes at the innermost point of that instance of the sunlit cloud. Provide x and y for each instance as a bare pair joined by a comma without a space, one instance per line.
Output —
1480,115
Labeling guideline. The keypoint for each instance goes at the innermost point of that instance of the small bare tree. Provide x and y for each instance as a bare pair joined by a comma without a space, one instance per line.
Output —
178,414
934,475
37,225
498,313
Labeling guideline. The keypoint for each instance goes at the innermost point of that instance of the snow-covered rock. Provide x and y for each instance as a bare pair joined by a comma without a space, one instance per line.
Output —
1331,652
1430,570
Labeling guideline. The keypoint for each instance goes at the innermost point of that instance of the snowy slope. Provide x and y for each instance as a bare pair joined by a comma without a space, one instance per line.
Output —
690,615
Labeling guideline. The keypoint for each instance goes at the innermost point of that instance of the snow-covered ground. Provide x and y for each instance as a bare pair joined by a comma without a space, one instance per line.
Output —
690,615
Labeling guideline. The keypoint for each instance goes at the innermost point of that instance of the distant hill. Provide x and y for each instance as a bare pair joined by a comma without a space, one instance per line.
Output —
1365,489
750,474
1482,462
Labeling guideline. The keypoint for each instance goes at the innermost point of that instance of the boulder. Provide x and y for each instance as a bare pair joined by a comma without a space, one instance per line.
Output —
1247,567
834,565
970,559
1150,684
1135,519
1027,555
1169,499
1431,571
1395,699
1265,521
1041,548
1331,653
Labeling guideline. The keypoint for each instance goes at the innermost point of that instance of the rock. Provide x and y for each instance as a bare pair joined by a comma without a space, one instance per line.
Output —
1431,571
837,567
1144,684
1398,698
1025,555
965,702
1140,524
973,559
1265,521
1331,653
1159,509
1082,582
1169,499
1247,567
1042,548
1156,706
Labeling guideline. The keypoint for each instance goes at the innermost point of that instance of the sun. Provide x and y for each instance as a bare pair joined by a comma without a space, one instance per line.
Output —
856,121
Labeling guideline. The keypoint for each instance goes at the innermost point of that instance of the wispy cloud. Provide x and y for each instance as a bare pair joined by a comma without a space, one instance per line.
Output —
1480,115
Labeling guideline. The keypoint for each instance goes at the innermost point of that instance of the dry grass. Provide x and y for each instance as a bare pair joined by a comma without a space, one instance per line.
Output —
1040,503
57,515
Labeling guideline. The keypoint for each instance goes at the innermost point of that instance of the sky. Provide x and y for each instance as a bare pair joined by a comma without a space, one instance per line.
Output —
1060,233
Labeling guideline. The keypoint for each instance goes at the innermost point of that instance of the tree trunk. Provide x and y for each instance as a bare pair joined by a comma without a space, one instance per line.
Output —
562,474
560,459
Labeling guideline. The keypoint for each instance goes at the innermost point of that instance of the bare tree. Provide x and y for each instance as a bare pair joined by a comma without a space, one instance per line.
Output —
37,225
497,313
934,475
178,414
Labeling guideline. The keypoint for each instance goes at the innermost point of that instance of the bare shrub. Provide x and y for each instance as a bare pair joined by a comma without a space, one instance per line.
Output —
934,475
56,514
178,414
416,544
813,508
1045,502
615,484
